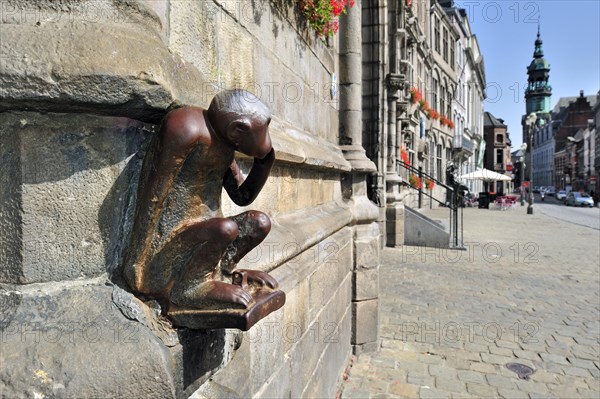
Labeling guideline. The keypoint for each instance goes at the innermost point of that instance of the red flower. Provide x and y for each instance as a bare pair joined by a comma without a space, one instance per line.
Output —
433,114
337,6
404,156
322,15
415,181
415,95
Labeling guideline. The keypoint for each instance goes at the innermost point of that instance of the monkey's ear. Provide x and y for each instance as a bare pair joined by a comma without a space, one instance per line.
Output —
236,129
242,125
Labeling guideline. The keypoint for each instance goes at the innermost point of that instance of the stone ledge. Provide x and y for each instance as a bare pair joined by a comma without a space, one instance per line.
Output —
118,70
293,234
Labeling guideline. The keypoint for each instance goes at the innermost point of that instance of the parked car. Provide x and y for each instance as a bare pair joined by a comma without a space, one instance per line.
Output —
561,195
579,199
536,189
550,191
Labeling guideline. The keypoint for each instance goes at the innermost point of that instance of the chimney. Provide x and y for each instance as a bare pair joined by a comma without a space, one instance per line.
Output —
580,93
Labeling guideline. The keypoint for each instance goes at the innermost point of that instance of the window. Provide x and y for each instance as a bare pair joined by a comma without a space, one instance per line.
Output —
439,162
499,138
436,34
452,60
499,157
448,104
431,170
434,93
445,53
420,77
442,100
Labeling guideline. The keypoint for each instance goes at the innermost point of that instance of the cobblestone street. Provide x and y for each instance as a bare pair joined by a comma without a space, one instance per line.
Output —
525,291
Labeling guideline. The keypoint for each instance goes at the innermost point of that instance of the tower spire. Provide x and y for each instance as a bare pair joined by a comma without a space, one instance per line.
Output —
538,90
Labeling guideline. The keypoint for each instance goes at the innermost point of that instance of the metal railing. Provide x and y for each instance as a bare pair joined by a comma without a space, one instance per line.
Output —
453,201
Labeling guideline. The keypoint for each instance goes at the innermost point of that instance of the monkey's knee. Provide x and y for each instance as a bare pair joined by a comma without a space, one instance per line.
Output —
226,230
260,222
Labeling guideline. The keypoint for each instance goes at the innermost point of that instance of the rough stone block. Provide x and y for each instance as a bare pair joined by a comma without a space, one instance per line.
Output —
190,24
67,209
295,315
267,348
327,329
326,376
334,259
365,284
366,254
279,385
77,342
365,316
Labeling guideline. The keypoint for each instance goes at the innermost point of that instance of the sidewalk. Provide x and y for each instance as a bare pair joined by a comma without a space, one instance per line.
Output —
526,291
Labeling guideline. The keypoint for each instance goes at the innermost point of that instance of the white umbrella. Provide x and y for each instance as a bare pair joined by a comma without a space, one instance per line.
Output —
485,175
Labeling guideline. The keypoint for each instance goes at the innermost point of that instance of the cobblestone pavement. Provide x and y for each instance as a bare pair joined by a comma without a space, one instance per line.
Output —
525,291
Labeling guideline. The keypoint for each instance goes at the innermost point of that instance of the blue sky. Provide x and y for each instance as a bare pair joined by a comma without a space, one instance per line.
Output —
506,31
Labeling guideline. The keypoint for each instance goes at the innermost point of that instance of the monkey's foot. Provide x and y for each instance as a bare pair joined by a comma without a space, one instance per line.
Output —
223,305
253,278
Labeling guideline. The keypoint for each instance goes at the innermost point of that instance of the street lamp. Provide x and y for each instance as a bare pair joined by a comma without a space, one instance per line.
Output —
530,121
522,171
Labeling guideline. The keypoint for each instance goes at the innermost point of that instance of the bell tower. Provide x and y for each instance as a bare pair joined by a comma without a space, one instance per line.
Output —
538,91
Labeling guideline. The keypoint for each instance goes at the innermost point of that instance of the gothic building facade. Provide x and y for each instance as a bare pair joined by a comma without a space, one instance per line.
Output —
423,92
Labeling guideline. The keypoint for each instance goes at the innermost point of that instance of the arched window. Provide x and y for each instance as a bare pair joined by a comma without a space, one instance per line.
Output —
442,108
431,170
436,34
435,90
439,162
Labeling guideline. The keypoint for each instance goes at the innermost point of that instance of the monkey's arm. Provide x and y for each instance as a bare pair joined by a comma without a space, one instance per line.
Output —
241,191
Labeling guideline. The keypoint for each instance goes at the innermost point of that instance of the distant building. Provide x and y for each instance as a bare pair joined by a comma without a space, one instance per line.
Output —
569,151
497,150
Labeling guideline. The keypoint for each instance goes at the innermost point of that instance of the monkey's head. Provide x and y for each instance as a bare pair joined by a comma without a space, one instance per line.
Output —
241,120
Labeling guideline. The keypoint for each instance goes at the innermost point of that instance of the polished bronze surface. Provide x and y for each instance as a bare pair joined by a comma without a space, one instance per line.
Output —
183,252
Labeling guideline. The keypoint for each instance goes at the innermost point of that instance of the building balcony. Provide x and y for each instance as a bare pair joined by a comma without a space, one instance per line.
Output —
463,144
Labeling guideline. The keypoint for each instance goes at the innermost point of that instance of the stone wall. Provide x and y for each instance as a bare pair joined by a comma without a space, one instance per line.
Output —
83,86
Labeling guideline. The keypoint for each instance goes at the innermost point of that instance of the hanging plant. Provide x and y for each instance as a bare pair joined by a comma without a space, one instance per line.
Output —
415,181
322,15
424,105
433,114
415,95
404,156
451,124
429,184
